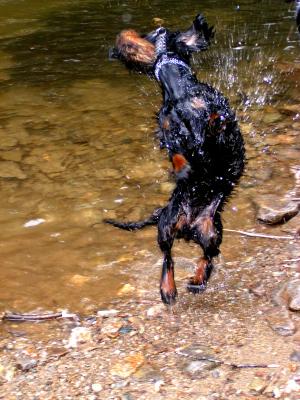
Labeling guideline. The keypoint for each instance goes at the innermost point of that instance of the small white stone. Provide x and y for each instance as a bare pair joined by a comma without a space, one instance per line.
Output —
34,222
97,387
107,313
78,335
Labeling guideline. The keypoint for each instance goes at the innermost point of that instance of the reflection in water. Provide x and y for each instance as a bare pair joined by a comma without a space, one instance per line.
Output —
77,142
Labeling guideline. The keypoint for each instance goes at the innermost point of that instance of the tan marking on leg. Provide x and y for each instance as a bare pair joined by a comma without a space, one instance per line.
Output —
179,162
168,283
166,123
198,278
181,222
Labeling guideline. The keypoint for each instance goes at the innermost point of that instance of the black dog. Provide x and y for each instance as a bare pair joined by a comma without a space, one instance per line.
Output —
201,135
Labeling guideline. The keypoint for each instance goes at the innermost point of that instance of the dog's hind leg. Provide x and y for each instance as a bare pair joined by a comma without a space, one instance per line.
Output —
133,226
208,234
166,234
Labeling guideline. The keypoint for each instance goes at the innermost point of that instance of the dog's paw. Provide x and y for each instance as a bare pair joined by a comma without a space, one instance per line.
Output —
195,287
168,298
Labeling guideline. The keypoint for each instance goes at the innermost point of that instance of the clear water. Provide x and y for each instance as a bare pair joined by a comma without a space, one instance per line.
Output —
77,140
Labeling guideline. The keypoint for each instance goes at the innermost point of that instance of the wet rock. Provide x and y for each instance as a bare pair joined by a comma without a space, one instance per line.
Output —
26,363
279,321
147,372
196,351
10,169
273,210
196,367
128,366
288,295
79,335
111,327
295,356
156,311
257,385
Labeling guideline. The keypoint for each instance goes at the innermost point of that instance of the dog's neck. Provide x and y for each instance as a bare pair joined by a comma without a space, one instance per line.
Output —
175,76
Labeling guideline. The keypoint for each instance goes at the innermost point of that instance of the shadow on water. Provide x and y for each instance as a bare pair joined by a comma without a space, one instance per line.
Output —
77,143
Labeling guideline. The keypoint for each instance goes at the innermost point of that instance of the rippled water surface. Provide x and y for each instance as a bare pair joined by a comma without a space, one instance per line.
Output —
77,140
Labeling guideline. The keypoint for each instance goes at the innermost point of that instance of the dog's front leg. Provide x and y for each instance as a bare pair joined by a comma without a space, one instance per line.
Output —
166,235
168,289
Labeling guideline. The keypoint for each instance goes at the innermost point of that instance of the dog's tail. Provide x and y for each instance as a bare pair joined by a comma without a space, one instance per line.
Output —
134,226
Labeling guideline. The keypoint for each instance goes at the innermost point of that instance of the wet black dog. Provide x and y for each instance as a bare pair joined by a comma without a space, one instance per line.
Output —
201,135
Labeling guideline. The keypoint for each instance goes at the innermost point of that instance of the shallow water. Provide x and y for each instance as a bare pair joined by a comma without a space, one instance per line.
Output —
77,141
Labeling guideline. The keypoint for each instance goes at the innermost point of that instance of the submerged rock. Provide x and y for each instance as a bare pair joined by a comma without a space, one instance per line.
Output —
10,169
273,210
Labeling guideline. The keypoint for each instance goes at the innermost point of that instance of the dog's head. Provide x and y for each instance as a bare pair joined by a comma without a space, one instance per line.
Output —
138,52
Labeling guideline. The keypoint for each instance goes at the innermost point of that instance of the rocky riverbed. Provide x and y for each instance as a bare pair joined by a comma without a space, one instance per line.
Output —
238,340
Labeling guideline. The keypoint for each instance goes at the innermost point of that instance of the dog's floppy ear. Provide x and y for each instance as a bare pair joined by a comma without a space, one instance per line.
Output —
196,38
135,51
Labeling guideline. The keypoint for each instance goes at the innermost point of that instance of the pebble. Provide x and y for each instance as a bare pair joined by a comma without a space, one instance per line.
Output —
126,289
197,352
295,356
196,367
26,363
79,280
128,366
111,327
34,222
79,335
273,210
279,321
10,169
107,313
97,387
156,311
257,385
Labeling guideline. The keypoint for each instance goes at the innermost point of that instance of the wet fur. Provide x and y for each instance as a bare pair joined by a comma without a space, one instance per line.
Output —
200,133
